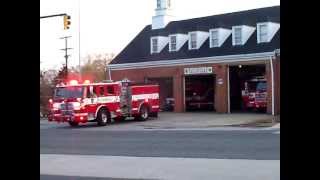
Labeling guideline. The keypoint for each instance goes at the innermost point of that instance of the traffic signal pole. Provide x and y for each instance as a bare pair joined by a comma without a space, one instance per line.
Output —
66,19
66,52
55,15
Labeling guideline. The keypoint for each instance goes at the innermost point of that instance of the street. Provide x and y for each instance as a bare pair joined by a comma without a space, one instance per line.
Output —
158,154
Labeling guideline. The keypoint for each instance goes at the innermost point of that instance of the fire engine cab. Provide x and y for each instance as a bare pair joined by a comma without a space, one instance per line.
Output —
254,94
103,102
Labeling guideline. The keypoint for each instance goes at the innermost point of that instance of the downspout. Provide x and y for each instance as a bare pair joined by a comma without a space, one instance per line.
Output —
272,84
109,70
228,84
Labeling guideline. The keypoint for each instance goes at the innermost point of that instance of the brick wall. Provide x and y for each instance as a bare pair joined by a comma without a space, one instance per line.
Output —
221,90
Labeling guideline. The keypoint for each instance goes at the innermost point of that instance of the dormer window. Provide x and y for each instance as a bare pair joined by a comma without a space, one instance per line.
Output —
157,43
173,43
237,35
218,36
193,40
241,34
196,39
214,41
154,45
266,31
263,33
158,3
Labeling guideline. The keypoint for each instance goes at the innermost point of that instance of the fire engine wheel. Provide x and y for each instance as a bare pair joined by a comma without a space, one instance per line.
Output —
144,113
103,117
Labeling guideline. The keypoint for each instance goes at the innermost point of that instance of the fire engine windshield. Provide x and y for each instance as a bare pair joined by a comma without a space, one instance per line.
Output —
262,86
69,92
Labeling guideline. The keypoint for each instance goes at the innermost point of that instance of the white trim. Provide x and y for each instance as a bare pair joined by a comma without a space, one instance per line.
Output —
193,61
137,97
228,84
272,84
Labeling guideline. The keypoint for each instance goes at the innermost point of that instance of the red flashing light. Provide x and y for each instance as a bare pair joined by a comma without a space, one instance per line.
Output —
86,82
50,101
73,82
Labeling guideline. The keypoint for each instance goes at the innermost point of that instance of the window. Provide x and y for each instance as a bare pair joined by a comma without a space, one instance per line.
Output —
110,89
193,40
88,93
263,33
173,43
214,39
154,45
95,91
158,3
102,91
237,36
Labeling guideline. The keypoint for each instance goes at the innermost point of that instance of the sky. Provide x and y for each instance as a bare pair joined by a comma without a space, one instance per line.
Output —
107,26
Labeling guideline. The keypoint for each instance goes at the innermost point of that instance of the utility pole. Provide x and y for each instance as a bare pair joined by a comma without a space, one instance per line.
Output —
66,52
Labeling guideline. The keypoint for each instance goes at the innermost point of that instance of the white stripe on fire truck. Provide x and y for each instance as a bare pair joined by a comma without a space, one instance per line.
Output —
145,96
155,106
107,99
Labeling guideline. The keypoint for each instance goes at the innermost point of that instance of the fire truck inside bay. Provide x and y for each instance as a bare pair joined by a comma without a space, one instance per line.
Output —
254,94
103,102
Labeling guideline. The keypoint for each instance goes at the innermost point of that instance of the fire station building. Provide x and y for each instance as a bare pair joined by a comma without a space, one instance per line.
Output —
213,58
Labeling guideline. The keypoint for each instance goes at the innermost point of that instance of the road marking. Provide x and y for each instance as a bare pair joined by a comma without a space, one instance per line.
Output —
158,167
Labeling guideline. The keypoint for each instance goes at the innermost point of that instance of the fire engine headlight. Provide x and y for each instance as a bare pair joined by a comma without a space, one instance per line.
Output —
56,106
76,105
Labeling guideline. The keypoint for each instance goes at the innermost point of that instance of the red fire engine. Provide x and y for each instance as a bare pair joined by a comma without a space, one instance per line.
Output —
254,95
101,102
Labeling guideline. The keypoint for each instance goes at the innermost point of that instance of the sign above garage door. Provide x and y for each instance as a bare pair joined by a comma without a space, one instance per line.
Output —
198,70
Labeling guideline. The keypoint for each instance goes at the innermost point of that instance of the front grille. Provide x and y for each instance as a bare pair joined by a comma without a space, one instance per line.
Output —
66,106
68,113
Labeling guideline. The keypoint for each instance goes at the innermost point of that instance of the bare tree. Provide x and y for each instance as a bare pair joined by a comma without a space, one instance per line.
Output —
95,66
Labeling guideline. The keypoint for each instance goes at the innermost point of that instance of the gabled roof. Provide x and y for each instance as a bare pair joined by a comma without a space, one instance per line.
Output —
138,50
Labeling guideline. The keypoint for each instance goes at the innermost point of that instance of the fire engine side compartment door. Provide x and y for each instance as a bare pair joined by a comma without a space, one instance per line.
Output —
91,101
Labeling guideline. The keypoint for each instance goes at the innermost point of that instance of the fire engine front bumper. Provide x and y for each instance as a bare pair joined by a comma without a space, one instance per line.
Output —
256,105
75,117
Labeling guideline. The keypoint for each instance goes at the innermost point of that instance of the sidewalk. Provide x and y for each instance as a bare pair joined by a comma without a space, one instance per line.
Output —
204,120
194,120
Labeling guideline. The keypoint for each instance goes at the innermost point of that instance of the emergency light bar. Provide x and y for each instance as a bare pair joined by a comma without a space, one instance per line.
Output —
73,82
86,82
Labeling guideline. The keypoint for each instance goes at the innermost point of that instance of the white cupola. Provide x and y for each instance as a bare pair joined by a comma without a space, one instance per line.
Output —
163,14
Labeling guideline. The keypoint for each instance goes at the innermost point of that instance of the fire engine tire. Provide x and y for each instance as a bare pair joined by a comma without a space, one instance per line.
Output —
143,113
73,124
104,117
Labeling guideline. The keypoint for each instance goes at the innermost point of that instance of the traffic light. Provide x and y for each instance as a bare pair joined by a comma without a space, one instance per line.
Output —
66,22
